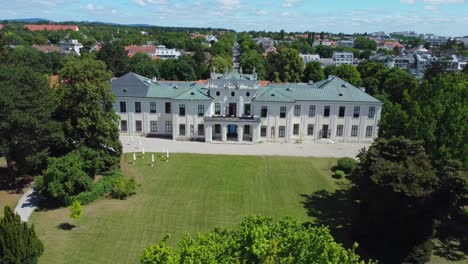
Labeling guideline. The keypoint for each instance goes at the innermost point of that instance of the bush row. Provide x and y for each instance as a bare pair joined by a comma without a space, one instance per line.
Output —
98,190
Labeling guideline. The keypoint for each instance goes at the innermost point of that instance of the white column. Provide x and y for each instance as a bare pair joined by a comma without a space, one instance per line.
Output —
223,132
208,133
256,133
240,133
175,127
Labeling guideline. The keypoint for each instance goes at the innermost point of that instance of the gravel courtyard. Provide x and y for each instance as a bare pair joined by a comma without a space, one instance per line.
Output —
312,149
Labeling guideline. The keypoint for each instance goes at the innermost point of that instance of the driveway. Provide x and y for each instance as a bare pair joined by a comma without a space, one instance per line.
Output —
312,149
27,204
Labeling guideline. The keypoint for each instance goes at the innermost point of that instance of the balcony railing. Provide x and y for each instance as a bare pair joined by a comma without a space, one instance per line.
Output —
233,118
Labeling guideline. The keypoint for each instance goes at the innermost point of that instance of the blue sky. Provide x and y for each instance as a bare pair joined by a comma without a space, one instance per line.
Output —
443,17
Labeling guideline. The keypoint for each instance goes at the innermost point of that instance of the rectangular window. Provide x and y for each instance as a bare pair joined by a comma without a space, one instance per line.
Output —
153,107
263,131
182,110
137,107
296,129
281,131
357,111
369,131
217,108
138,126
282,111
297,110
201,110
123,126
123,107
153,126
247,109
312,111
168,127
168,107
247,130
310,129
354,131
339,131
192,129
182,130
342,111
326,111
217,129
201,129
371,112
264,111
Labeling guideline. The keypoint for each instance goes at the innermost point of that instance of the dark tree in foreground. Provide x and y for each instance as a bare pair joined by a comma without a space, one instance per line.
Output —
395,185
86,110
256,240
18,242
26,126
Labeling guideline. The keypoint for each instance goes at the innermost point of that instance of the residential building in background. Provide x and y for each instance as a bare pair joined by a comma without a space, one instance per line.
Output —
165,53
306,58
149,50
343,58
71,45
345,43
238,107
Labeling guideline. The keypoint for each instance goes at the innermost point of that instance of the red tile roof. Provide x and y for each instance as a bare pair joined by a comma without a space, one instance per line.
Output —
143,49
1,26
50,27
392,44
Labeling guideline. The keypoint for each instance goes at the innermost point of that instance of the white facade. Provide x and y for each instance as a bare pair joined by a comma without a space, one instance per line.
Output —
71,45
343,58
240,110
306,58
165,53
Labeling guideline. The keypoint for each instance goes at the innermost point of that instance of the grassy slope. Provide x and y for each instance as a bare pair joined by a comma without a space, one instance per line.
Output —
190,193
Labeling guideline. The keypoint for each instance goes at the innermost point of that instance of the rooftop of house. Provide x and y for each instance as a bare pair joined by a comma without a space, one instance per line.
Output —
1,26
32,27
47,48
332,89
143,49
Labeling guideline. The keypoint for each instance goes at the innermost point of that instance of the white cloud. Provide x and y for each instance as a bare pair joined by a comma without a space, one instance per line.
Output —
90,7
444,1
146,2
289,3
113,11
285,13
229,4
409,2
431,8
261,12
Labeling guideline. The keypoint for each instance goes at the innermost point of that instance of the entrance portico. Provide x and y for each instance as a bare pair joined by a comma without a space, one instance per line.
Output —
232,129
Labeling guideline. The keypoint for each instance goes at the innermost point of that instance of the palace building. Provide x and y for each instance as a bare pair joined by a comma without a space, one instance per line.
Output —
238,107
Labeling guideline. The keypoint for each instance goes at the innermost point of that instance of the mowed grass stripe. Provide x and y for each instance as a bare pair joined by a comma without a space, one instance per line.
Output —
190,193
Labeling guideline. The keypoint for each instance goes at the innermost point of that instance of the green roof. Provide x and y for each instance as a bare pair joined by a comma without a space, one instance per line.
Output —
178,90
333,89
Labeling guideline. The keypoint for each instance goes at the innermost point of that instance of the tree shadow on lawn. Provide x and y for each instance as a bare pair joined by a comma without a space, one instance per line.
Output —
15,186
332,209
66,226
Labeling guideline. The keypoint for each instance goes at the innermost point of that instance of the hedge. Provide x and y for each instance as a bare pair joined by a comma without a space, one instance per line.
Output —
98,190
346,164
339,174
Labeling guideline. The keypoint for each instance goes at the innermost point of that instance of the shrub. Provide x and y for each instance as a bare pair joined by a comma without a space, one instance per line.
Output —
18,241
346,164
124,187
339,174
98,189
64,177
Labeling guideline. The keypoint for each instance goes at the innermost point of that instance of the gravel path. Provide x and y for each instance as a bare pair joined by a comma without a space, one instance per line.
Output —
312,149
27,204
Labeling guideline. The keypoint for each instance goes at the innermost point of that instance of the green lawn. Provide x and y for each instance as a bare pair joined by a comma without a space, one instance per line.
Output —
190,193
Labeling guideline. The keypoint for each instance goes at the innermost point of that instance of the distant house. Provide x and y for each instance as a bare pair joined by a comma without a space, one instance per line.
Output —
343,58
32,27
71,45
165,53
306,58
390,45
345,43
47,48
149,50
1,26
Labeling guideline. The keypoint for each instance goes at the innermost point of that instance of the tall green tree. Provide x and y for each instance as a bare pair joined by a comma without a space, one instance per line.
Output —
349,73
313,72
27,130
286,66
115,56
256,239
85,109
251,60
18,241
395,185
142,64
